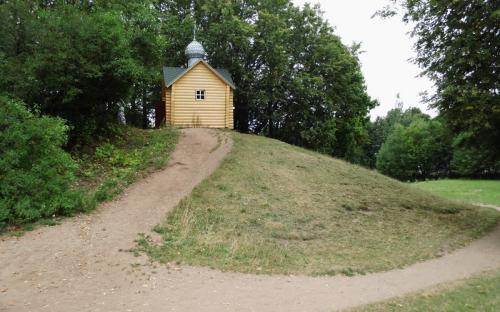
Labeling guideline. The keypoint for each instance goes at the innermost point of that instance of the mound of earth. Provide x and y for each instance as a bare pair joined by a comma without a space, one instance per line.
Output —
275,208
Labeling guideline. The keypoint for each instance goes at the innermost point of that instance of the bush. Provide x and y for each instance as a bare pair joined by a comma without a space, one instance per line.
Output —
36,174
419,151
470,161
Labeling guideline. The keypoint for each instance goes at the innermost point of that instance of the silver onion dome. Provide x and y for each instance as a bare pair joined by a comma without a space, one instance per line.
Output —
194,52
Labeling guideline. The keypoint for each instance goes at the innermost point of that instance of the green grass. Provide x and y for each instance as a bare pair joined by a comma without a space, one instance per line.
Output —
471,191
275,208
476,294
113,165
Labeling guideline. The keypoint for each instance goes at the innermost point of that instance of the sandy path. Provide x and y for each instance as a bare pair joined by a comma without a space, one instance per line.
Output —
77,266
488,206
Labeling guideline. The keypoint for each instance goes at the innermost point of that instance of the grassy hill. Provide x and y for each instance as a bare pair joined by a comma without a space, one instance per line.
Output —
275,208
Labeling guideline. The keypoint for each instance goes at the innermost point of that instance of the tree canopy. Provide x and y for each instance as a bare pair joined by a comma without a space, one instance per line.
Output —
419,150
36,174
86,60
458,47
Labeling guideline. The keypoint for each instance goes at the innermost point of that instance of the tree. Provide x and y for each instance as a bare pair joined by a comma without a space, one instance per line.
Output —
419,151
382,127
458,48
75,64
146,45
471,161
82,61
85,60
327,103
36,174
296,81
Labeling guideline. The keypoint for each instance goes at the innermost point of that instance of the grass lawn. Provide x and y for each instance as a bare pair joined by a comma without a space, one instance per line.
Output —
477,294
275,208
471,191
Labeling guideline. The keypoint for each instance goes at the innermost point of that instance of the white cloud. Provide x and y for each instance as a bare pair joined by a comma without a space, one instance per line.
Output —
386,62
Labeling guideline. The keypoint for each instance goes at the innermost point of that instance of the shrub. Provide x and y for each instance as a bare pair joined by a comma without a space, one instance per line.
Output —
470,161
419,151
36,174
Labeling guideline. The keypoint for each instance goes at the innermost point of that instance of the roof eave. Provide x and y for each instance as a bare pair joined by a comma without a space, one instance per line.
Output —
192,66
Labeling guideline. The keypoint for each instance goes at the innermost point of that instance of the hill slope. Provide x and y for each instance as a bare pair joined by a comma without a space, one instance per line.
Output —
275,208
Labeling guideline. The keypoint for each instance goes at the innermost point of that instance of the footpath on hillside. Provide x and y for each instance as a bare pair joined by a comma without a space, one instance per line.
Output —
83,265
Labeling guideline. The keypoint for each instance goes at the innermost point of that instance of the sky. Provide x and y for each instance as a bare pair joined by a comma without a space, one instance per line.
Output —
385,63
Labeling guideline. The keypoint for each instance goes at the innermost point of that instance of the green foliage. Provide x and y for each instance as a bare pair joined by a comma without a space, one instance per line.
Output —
457,45
131,153
382,127
36,174
80,62
471,161
418,151
143,24
295,80
85,61
39,180
456,158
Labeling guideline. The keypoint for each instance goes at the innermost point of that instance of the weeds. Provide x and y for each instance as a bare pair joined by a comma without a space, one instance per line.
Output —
114,166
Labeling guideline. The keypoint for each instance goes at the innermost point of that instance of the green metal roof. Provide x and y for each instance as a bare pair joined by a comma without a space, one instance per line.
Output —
171,74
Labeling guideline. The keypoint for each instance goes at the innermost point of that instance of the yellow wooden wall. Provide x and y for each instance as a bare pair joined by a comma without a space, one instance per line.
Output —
230,110
182,108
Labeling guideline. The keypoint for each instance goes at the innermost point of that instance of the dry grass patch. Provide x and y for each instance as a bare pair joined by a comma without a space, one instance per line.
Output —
275,208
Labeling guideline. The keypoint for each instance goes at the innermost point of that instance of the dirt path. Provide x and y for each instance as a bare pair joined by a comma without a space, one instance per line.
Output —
77,266
488,206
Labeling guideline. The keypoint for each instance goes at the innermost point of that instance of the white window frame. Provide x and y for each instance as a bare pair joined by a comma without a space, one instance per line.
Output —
200,94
